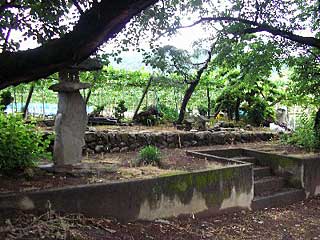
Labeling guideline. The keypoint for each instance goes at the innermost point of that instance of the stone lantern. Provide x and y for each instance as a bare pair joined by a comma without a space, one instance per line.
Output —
71,119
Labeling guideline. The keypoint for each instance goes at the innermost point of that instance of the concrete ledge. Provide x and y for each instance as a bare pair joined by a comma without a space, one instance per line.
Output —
300,172
169,196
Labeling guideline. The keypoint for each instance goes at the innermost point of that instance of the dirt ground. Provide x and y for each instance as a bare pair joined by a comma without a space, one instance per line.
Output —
103,168
297,221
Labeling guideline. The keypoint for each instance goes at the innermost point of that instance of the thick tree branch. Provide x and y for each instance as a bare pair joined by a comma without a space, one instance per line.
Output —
259,27
76,4
100,23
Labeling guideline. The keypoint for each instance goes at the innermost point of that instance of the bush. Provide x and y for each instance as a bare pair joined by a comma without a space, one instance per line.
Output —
120,109
97,110
304,135
260,112
21,145
149,155
203,110
168,114
5,100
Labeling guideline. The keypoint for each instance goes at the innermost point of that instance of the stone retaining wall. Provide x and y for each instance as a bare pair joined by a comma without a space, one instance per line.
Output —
101,141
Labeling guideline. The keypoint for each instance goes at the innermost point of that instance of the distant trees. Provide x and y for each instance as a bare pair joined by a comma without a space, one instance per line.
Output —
189,67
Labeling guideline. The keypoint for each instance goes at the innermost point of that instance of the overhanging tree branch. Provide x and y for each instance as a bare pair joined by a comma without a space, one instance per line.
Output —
261,27
100,23
76,4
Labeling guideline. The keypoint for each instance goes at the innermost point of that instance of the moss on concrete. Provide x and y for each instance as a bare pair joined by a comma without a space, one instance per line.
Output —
214,185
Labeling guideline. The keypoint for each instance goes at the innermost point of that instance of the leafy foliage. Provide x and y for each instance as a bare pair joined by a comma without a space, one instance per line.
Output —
168,113
97,110
254,96
149,155
203,110
21,145
260,113
120,109
5,99
305,135
39,20
305,77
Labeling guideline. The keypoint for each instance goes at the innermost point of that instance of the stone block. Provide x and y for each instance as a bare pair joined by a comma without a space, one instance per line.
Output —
99,148
69,87
124,149
113,150
90,137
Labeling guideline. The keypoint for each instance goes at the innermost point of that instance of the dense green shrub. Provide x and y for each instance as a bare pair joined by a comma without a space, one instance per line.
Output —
168,114
260,112
203,110
21,145
149,155
304,135
97,110
5,99
120,109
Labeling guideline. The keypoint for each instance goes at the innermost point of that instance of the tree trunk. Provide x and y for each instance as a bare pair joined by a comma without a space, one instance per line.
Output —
25,109
95,26
230,113
21,101
142,98
317,126
209,102
43,104
84,94
88,96
175,98
186,99
15,100
236,110
193,86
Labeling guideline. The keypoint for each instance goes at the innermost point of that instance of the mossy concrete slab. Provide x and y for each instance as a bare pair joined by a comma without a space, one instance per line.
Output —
197,192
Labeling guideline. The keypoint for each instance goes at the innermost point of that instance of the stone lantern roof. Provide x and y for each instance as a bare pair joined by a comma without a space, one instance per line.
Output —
90,64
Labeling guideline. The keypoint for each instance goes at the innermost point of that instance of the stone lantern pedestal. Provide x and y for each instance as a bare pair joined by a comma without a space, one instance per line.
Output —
70,123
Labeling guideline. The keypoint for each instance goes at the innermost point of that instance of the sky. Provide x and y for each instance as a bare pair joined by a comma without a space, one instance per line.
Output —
133,60
183,40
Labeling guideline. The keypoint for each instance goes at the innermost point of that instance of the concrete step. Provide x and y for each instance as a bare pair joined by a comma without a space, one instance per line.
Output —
268,185
261,172
278,199
246,159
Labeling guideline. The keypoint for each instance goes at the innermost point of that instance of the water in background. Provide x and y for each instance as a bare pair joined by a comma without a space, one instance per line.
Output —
50,109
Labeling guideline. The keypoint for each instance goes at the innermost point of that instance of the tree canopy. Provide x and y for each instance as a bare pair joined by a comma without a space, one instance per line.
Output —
66,41
62,45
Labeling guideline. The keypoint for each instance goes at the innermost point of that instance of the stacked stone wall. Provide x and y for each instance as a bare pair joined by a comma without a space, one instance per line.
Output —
123,142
